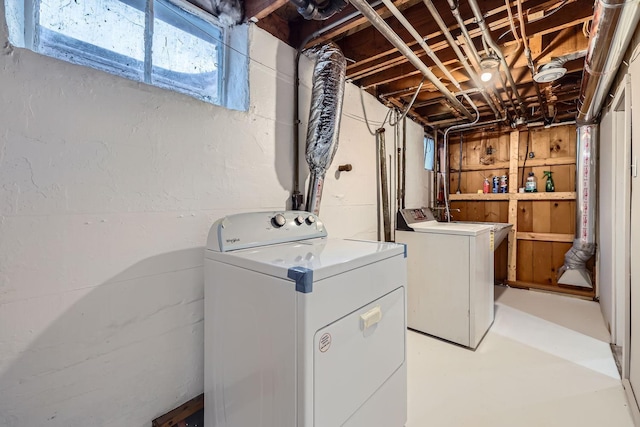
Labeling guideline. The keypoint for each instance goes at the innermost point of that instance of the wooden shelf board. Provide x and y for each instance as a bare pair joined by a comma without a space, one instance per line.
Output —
482,196
569,195
545,237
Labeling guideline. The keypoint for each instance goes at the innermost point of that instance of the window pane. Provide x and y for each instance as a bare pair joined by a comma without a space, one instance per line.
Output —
14,12
186,52
104,34
429,150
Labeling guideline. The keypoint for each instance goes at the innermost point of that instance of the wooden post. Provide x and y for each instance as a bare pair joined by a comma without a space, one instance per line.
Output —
514,141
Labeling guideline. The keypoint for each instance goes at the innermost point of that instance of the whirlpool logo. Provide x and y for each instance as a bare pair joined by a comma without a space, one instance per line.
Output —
234,240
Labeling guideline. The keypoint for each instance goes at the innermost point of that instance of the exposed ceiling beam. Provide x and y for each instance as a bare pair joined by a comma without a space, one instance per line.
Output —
258,9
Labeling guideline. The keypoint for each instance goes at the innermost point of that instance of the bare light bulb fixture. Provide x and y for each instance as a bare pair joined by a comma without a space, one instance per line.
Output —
489,64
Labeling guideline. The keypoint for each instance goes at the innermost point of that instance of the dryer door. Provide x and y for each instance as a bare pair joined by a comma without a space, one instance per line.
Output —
355,355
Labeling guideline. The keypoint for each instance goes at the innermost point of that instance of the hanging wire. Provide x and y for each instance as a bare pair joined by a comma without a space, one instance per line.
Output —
388,115
366,120
413,100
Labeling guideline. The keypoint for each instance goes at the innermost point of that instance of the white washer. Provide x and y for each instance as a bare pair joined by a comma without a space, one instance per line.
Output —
301,330
450,277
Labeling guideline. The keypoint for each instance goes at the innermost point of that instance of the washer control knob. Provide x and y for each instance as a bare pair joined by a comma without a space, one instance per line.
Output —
299,220
311,219
278,220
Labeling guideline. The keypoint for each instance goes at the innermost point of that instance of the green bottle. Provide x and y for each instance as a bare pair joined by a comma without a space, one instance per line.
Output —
550,187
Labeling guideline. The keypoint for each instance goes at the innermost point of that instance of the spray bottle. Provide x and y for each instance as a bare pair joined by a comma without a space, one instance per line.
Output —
550,187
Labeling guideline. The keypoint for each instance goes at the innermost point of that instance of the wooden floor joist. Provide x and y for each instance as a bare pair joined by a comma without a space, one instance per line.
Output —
175,417
571,290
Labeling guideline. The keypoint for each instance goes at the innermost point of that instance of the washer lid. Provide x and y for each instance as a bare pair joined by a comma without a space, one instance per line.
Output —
324,257
466,229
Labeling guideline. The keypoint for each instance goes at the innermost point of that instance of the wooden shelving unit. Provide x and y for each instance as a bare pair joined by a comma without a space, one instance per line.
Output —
543,223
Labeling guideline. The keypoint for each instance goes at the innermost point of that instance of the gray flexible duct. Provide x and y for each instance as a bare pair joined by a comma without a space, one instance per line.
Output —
325,112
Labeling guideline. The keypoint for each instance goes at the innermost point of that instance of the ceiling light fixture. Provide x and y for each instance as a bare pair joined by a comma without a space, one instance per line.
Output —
550,72
489,64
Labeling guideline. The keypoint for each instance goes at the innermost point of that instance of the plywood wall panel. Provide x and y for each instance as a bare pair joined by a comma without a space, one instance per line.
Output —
524,270
540,145
525,216
541,216
563,217
562,142
542,262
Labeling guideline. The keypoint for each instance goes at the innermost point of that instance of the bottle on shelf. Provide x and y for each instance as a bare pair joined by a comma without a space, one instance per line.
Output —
550,186
503,184
486,186
532,184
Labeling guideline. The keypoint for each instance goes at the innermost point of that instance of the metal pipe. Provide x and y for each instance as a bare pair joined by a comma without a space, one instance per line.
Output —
312,10
384,184
455,11
614,22
532,68
384,29
420,40
489,40
512,25
404,163
470,71
445,169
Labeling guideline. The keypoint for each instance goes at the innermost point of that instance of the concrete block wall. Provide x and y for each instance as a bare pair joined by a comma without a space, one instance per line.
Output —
108,188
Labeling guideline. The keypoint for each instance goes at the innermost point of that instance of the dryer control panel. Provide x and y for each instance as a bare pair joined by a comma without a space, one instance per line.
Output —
408,217
252,229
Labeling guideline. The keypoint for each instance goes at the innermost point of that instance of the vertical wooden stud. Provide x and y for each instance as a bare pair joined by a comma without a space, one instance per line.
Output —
514,141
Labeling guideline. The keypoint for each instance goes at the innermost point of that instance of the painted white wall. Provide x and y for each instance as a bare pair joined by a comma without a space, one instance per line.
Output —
419,181
606,225
614,210
107,191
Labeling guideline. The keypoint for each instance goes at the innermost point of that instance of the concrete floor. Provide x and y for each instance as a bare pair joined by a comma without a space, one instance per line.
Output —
546,361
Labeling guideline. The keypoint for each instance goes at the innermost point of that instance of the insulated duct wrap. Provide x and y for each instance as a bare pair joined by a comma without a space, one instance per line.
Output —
614,22
327,93
574,271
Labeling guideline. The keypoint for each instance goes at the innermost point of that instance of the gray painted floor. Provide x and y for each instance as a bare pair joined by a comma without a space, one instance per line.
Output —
546,361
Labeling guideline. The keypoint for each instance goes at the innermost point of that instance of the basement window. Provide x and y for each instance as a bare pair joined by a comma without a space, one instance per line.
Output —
429,153
164,43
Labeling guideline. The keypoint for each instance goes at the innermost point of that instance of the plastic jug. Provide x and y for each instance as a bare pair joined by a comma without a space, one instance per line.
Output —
532,184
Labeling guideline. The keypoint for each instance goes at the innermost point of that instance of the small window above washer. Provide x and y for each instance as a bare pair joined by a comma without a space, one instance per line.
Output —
165,43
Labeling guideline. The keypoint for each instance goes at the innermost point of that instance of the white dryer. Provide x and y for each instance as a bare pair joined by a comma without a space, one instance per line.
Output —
301,330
